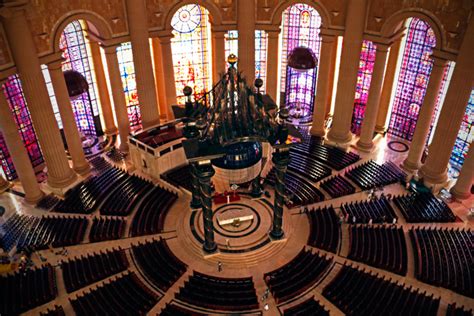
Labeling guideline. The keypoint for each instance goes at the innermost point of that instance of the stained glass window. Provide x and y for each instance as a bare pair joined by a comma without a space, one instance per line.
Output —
191,50
74,46
52,97
16,100
231,44
364,76
465,136
301,27
127,71
413,79
261,47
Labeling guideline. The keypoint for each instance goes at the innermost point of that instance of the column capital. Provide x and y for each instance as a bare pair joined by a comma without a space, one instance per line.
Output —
111,49
218,34
382,47
13,9
439,61
327,38
56,62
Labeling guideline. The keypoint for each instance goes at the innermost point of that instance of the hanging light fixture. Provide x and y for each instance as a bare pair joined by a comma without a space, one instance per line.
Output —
302,59
76,83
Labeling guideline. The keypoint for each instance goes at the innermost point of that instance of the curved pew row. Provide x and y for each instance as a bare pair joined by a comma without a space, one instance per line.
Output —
357,292
324,229
297,276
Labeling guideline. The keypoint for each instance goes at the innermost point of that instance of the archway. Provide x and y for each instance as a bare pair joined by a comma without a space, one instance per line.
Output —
191,47
301,25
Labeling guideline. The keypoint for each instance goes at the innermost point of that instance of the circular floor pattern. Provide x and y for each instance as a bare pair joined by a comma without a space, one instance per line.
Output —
247,235
397,146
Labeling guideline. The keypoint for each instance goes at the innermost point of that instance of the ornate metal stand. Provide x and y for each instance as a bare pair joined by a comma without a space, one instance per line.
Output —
280,161
204,173
196,198
256,187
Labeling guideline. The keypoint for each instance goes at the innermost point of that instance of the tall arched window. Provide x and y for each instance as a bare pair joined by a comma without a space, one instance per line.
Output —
364,77
127,71
261,47
74,46
191,50
413,79
465,136
301,25
16,100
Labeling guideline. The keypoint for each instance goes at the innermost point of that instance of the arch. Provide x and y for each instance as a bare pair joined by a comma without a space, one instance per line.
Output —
214,13
392,23
283,5
97,23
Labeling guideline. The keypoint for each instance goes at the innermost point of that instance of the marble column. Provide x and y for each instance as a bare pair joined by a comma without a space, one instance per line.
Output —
349,67
138,29
195,199
388,81
168,70
204,172
280,160
218,55
423,124
332,74
71,131
272,63
434,171
18,153
246,28
462,189
23,51
118,96
322,90
160,79
4,184
105,105
368,124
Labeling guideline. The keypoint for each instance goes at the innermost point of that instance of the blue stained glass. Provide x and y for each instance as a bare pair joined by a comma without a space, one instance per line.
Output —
465,136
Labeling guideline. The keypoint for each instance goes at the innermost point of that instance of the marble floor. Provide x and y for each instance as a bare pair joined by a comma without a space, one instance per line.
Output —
265,258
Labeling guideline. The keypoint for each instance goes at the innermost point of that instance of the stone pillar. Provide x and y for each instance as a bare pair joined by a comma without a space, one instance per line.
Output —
138,29
218,55
434,171
204,172
27,63
160,79
462,189
368,124
332,74
350,56
246,28
272,64
423,124
168,70
118,96
4,184
389,78
105,105
18,153
280,160
71,131
196,196
322,90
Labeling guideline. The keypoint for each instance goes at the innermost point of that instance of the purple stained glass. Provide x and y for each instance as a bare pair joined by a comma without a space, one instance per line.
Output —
364,76
465,136
127,71
73,45
301,27
17,103
413,79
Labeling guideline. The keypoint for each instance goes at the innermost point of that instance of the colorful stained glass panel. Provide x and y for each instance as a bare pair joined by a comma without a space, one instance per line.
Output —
465,136
191,50
364,77
127,71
